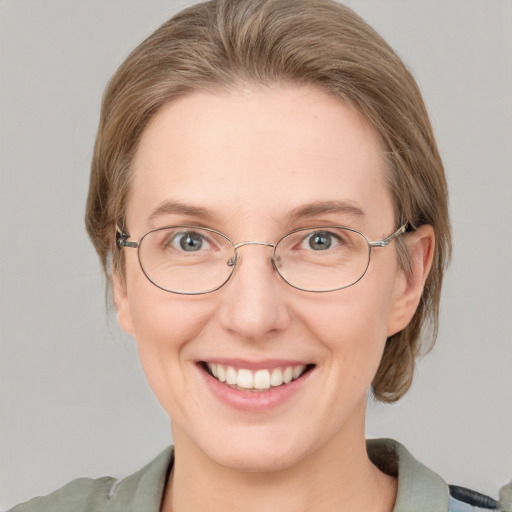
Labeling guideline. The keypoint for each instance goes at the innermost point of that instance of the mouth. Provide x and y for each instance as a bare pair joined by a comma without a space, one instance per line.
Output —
262,379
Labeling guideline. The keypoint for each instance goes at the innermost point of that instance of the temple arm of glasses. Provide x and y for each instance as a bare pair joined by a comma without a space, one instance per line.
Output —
122,239
386,241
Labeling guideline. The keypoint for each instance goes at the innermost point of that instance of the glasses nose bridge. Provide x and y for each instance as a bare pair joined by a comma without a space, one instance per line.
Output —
233,261
253,242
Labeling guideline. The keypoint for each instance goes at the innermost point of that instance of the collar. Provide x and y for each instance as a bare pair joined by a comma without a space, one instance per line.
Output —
419,488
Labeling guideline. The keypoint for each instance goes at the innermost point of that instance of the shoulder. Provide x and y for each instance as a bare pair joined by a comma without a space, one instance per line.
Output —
79,495
421,489
141,491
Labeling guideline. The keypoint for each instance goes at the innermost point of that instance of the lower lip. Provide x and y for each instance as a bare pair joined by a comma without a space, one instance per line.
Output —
254,401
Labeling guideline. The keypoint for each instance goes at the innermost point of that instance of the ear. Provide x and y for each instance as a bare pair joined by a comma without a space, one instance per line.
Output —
122,304
409,284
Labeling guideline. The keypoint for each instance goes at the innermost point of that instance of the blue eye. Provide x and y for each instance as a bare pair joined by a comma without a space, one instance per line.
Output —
191,242
322,240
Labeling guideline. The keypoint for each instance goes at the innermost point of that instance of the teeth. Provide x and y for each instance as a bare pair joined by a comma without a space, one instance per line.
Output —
244,379
297,372
231,377
261,379
276,379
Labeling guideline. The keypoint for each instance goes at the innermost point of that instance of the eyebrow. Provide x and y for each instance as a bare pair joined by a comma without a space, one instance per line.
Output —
171,207
322,207
177,208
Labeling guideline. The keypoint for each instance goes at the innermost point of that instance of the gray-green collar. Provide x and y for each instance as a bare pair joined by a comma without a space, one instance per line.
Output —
419,488
144,490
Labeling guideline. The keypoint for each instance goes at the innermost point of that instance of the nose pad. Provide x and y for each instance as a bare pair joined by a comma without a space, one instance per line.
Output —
233,260
276,261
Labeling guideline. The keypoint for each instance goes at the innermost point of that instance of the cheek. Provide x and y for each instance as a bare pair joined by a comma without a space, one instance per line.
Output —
164,325
160,319
352,323
165,330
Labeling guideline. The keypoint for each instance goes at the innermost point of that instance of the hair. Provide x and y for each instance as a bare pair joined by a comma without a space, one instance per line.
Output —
226,44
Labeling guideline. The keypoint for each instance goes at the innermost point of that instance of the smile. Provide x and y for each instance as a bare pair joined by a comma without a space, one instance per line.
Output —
258,380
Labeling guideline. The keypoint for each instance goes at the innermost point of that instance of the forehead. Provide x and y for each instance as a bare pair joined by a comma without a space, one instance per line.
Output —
258,153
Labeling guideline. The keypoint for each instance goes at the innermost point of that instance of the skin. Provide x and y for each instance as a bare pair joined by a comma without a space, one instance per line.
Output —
251,157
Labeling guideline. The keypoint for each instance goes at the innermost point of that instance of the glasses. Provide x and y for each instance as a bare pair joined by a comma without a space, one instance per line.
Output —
193,260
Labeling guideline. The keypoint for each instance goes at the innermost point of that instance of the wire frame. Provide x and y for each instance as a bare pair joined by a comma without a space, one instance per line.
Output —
172,257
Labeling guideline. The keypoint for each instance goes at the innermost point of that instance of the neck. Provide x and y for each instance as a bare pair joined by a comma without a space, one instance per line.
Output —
337,477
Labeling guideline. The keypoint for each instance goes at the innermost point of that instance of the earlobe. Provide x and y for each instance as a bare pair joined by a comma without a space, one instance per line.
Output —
122,304
409,284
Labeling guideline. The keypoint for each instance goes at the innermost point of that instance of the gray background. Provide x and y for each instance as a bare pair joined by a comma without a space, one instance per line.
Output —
73,398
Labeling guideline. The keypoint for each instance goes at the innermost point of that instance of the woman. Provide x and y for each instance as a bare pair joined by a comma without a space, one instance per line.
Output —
270,208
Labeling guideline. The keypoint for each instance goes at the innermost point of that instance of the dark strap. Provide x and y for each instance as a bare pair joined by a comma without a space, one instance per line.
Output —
472,498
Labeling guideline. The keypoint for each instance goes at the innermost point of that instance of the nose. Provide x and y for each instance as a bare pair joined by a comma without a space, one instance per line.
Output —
253,302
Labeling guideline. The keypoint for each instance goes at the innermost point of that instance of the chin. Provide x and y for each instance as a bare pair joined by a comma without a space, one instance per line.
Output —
256,461
256,451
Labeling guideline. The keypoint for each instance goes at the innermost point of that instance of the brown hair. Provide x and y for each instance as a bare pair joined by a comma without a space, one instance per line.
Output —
226,43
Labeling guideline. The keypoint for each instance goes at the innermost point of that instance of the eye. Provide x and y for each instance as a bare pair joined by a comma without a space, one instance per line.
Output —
321,241
189,241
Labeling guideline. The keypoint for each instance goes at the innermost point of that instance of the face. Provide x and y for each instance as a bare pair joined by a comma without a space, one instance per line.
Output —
256,164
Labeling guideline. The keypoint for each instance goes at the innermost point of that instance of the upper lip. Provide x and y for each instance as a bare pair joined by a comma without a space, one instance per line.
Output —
256,365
